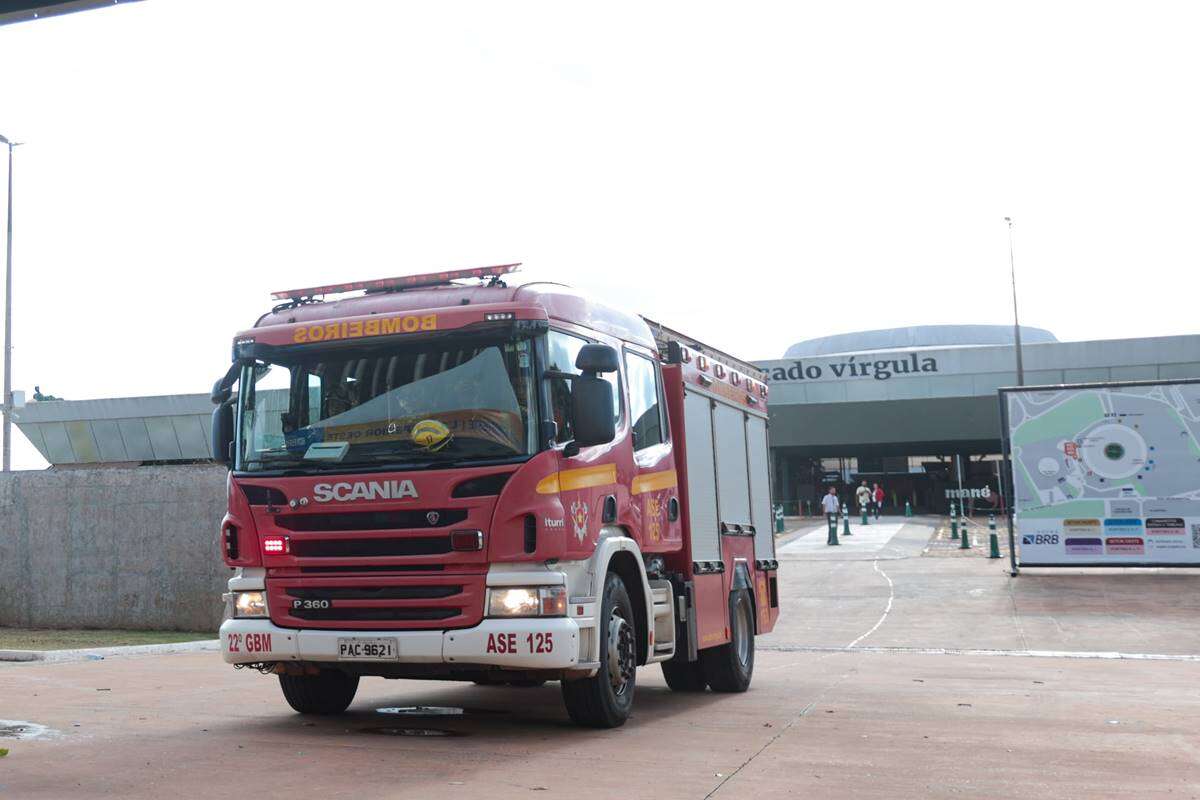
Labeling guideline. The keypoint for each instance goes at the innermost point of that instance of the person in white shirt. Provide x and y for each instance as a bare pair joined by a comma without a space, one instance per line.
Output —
865,498
831,506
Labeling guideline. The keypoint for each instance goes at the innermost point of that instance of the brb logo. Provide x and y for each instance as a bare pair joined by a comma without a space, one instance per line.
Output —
1040,538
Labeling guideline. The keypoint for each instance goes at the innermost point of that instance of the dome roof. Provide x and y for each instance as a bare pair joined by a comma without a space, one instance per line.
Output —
917,336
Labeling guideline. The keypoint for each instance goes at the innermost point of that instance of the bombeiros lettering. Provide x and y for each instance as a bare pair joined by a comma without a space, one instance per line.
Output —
384,326
373,490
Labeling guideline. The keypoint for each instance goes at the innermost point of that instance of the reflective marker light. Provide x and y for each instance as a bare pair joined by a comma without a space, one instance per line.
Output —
276,545
403,282
466,540
528,601
250,604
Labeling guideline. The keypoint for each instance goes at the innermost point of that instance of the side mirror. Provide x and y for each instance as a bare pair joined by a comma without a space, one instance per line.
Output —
596,358
222,433
592,409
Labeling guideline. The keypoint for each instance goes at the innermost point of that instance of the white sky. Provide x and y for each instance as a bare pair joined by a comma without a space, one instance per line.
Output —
752,173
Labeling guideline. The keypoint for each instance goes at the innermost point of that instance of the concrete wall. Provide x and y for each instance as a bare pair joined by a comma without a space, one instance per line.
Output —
129,548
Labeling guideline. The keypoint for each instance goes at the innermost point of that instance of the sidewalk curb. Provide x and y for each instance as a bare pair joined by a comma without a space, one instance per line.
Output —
99,653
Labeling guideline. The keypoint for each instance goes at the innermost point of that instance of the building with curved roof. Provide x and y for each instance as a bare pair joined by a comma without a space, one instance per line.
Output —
906,406
915,337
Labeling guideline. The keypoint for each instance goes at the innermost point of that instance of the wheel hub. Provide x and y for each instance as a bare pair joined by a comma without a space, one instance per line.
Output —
622,654
741,635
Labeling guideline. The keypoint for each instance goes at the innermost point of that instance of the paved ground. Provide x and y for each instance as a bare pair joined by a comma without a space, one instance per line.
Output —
893,673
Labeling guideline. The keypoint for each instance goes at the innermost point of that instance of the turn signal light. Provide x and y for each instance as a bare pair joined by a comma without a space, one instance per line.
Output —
276,545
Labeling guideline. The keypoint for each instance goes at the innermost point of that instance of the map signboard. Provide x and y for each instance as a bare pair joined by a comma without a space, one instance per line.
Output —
1104,474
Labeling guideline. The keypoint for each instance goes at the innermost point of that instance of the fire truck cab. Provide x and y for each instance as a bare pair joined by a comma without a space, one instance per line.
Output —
445,477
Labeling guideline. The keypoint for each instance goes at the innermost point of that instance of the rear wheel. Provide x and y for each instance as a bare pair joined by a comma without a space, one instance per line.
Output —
328,692
605,700
730,667
683,675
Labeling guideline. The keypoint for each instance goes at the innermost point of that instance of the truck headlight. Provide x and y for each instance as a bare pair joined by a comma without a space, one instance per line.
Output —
250,604
528,601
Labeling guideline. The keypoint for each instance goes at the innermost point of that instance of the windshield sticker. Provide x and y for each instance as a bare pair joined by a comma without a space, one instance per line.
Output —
431,434
385,326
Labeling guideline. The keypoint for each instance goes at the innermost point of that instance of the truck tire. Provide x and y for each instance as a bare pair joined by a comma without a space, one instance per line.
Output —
729,667
683,675
605,700
329,692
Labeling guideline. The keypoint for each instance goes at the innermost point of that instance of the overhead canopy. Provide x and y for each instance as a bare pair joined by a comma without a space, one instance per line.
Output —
26,10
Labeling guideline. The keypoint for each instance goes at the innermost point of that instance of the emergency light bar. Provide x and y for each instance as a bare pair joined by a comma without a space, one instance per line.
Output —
394,284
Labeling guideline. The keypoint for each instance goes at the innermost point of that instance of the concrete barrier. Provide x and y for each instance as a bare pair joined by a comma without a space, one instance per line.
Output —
134,548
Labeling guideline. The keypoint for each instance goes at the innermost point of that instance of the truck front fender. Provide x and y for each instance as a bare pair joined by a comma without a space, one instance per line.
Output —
615,552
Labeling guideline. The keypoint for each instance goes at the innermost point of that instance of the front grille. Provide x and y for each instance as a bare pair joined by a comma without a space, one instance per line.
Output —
387,602
371,520
375,592
376,614
373,568
365,548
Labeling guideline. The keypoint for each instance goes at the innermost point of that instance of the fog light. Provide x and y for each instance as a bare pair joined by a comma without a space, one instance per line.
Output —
250,604
528,601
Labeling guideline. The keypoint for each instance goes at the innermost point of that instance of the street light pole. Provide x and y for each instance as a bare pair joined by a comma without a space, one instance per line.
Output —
7,404
1016,323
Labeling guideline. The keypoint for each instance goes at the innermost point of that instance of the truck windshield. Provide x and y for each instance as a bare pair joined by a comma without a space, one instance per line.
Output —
438,402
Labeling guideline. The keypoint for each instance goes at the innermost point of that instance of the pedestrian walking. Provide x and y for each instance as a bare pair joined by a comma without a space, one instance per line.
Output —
865,498
879,495
830,505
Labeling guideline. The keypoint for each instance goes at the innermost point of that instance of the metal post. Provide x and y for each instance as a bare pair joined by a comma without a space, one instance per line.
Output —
1007,492
1016,324
993,539
958,472
7,400
845,520
953,522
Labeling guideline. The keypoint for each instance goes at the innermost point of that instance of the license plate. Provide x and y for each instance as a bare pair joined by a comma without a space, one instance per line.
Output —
363,649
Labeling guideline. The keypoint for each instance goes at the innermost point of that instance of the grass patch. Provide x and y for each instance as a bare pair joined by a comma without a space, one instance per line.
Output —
44,639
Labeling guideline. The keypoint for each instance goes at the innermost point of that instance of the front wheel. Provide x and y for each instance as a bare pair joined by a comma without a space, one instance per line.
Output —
605,700
328,692
729,667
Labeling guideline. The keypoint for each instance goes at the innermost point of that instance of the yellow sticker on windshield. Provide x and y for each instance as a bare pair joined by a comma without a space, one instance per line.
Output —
431,434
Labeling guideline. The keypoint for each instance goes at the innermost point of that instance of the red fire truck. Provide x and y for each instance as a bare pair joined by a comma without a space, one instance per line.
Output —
446,477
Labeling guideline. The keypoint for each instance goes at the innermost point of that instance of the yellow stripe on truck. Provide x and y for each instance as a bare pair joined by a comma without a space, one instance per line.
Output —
654,481
582,478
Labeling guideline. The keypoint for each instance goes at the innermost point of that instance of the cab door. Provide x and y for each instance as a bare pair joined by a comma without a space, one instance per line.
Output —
654,490
593,483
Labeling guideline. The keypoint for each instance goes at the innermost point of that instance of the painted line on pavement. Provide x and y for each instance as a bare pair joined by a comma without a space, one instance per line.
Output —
887,609
98,653
955,651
